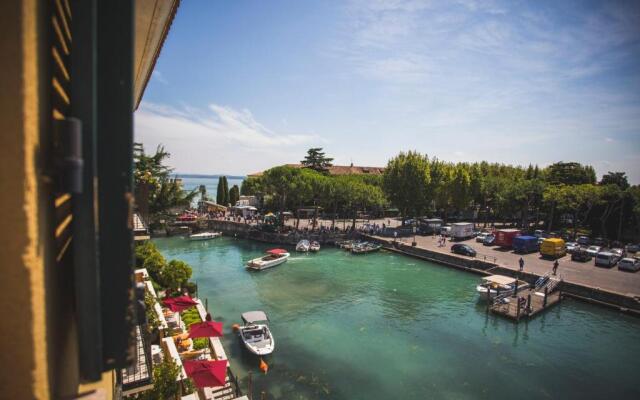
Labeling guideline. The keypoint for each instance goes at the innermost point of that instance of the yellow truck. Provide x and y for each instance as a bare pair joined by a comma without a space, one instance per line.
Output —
553,248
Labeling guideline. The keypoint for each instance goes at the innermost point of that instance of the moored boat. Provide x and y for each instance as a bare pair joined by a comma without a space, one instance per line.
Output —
314,246
303,246
365,247
255,333
498,285
274,257
205,235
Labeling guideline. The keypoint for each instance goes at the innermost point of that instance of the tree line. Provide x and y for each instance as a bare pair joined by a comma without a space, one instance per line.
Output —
564,194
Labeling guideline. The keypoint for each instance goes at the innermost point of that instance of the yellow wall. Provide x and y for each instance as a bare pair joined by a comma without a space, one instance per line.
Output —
23,349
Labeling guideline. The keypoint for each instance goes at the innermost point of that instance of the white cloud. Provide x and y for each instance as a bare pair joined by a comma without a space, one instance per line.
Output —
218,139
157,75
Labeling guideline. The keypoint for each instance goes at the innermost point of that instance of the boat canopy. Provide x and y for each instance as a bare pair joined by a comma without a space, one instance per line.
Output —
251,317
499,279
277,251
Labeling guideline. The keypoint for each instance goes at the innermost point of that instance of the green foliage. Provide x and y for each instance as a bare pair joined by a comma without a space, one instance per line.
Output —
316,160
173,275
225,191
234,195
615,178
165,385
190,316
153,322
406,182
219,191
570,173
163,191
251,187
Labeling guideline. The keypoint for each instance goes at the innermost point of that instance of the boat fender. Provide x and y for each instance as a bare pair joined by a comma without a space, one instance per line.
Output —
264,367
235,327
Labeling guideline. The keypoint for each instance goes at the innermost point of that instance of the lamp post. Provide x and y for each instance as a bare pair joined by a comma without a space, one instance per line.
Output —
415,229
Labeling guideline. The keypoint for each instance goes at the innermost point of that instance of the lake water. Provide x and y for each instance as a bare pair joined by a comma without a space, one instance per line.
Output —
382,325
210,183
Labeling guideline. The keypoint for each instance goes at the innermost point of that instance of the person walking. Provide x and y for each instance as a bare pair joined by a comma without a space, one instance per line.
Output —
555,267
521,262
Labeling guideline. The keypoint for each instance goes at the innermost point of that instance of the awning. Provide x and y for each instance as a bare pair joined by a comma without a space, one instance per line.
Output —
205,329
277,251
206,373
177,304
254,316
499,279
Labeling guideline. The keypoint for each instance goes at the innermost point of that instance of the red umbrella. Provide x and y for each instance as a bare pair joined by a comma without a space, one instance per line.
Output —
277,251
205,329
206,373
180,303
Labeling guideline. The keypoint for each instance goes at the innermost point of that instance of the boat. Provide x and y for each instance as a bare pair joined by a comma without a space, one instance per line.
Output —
303,245
205,235
274,257
365,247
347,244
314,246
499,285
255,333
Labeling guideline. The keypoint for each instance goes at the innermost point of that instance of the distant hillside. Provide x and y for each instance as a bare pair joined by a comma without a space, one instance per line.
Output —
209,176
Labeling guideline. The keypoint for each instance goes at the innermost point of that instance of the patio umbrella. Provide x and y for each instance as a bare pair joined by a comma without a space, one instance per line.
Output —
180,303
206,373
205,329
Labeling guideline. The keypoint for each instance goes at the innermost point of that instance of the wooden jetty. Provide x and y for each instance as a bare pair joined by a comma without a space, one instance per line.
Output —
529,302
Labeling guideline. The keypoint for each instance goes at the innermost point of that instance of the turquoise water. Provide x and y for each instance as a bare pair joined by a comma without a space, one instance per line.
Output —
382,325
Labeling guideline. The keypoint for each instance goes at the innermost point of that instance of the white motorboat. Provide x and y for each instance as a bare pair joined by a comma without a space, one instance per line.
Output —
255,333
314,246
205,235
274,257
498,285
303,245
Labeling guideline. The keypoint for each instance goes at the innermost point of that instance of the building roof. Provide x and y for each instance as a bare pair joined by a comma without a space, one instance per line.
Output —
152,23
337,170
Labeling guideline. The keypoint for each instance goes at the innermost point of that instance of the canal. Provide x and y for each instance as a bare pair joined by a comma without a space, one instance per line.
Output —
382,325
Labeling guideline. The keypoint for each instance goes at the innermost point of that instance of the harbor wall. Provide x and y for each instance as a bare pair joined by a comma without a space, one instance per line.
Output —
594,295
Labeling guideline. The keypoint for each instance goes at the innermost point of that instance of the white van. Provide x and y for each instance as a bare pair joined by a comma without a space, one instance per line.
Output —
606,259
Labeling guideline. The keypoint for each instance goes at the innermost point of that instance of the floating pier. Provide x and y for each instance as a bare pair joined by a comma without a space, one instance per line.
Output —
528,303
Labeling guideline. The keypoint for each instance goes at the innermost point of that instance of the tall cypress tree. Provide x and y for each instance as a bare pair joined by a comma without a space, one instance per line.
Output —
220,192
234,195
225,191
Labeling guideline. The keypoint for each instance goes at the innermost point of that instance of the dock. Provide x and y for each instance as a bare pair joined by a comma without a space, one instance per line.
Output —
528,303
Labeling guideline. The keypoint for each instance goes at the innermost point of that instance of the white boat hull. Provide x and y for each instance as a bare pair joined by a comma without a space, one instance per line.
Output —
260,345
205,236
261,263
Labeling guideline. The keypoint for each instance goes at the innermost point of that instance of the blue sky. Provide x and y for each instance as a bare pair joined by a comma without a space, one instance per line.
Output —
241,86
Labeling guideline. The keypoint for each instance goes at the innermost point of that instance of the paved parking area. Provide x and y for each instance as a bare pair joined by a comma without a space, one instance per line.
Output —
587,273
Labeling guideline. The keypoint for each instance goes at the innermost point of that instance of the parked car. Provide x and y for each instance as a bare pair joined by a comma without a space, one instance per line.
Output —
572,246
464,249
593,250
606,259
481,236
489,239
538,233
629,264
619,252
583,240
598,241
580,255
633,248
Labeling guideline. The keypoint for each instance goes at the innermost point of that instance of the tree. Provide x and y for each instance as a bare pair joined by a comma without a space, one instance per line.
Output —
278,182
234,195
175,274
219,191
570,173
615,178
157,191
316,160
251,187
165,383
406,182
203,192
225,191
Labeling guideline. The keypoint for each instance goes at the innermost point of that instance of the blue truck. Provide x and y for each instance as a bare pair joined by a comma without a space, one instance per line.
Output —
525,244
